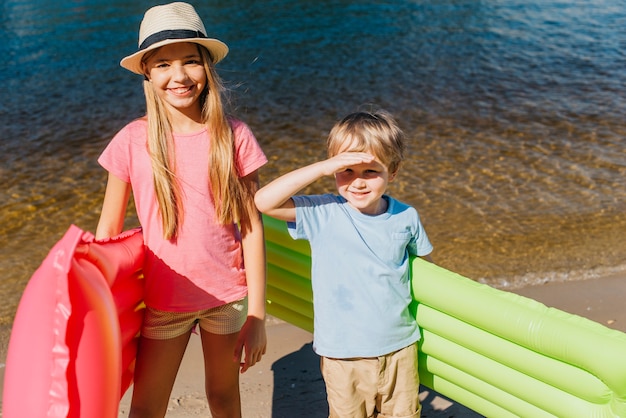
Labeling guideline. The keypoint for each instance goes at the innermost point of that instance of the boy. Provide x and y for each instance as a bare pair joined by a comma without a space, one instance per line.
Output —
360,245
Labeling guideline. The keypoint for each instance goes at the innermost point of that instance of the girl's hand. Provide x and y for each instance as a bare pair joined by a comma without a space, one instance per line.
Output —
253,341
345,160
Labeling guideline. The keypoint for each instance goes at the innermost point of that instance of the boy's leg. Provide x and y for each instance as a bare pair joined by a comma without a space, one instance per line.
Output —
155,372
221,374
351,386
399,388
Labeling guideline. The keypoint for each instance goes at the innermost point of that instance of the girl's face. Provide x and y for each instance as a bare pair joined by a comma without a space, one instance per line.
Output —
363,186
178,76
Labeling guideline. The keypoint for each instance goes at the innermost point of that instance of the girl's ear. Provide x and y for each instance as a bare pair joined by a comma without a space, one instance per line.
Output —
146,73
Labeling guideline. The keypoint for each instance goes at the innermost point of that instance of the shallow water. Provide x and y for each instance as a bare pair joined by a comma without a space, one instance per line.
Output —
515,113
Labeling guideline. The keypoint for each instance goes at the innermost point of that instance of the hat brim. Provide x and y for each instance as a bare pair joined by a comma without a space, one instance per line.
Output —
218,50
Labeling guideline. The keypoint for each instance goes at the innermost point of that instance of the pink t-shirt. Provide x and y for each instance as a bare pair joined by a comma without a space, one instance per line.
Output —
203,267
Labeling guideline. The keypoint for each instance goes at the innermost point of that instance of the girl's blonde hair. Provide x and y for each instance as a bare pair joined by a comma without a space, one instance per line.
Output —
230,194
376,133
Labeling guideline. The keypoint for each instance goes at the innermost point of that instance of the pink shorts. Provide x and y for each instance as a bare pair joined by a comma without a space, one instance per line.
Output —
224,319
385,386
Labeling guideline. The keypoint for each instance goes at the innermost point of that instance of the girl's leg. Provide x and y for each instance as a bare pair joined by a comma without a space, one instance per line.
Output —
155,372
221,374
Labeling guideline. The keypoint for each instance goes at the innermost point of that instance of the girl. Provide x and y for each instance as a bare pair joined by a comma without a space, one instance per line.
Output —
193,175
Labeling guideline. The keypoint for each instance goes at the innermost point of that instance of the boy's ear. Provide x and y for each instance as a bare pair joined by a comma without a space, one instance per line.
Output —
394,173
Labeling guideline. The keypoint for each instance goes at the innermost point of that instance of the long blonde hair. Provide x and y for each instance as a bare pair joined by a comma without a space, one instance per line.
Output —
231,196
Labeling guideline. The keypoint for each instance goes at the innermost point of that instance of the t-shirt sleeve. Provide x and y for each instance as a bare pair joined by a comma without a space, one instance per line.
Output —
312,212
250,156
296,229
115,157
420,245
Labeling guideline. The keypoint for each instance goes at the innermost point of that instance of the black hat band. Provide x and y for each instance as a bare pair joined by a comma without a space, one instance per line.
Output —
170,34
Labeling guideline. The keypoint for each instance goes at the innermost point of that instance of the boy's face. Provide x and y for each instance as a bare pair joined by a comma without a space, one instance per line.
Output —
363,186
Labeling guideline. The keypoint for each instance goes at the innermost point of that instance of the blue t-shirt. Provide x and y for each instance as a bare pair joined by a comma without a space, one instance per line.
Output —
360,274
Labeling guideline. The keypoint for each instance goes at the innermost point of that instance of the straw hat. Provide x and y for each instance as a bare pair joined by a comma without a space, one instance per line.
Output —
168,24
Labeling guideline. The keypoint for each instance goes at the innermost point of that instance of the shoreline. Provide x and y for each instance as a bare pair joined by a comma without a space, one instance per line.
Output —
287,381
599,299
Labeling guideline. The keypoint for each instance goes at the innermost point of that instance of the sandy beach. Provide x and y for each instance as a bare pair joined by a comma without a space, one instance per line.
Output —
287,383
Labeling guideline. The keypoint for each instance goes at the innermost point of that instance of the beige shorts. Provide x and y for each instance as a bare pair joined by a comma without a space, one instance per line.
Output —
385,386
224,319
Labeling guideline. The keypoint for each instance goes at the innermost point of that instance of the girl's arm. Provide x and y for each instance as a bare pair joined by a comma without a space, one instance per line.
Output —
274,199
252,338
113,208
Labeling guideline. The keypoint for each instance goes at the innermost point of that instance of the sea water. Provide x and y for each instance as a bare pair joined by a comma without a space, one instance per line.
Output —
515,115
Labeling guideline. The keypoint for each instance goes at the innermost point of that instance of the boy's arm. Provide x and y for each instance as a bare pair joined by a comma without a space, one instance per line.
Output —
275,200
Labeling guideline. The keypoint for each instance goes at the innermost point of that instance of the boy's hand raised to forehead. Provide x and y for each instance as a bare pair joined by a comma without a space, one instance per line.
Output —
344,160
274,199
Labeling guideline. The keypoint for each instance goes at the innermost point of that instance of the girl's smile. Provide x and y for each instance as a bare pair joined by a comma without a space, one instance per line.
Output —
180,91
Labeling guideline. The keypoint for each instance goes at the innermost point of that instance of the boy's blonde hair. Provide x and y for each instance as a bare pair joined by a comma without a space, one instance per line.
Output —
376,133
232,199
